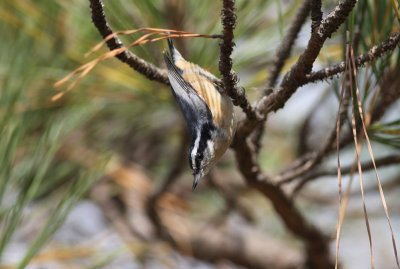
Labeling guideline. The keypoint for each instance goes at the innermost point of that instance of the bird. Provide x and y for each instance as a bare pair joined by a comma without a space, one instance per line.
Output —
206,108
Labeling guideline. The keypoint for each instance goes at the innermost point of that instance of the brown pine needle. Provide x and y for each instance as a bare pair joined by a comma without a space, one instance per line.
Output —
126,32
86,68
396,9
358,149
343,204
341,209
157,30
373,161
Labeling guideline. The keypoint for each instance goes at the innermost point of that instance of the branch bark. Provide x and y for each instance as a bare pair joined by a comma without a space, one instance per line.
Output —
286,45
382,162
316,15
229,77
376,52
145,68
317,247
315,242
296,77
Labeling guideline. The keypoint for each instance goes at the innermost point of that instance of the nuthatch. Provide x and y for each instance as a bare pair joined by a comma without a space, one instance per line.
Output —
207,110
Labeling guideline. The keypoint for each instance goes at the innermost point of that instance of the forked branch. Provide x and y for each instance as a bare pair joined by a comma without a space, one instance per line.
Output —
145,68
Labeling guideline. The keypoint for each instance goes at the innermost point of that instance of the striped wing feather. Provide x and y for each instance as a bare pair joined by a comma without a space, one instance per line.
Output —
219,104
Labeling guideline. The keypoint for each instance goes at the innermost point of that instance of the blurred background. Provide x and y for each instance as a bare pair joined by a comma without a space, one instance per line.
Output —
100,177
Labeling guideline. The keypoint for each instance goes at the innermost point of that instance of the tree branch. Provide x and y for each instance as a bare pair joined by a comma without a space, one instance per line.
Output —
187,236
213,244
316,15
145,68
376,52
389,94
384,161
229,77
317,247
285,47
318,155
296,77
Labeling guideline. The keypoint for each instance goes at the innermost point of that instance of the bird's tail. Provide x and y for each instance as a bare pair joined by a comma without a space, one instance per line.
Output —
174,52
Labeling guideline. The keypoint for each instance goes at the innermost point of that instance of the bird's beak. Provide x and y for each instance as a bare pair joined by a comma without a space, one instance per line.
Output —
197,177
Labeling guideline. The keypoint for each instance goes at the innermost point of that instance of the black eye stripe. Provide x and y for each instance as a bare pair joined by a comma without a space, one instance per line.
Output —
205,135
198,163
190,159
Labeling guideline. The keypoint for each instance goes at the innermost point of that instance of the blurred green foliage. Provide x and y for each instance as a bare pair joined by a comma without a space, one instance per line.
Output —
114,111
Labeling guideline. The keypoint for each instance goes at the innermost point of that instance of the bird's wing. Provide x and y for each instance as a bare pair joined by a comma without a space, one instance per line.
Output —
207,90
194,108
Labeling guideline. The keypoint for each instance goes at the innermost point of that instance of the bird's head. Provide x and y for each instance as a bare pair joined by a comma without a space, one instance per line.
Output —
202,151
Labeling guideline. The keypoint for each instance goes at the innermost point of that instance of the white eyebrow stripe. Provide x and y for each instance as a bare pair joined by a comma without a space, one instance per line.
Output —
195,148
210,145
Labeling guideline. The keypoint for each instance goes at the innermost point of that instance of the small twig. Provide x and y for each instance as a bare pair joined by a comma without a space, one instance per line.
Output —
257,135
317,156
389,94
283,52
305,129
376,52
389,185
312,175
287,43
229,77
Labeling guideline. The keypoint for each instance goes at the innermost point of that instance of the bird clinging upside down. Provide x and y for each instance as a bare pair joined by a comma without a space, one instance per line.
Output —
207,110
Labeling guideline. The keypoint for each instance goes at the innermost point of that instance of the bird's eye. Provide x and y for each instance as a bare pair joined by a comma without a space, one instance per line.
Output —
190,164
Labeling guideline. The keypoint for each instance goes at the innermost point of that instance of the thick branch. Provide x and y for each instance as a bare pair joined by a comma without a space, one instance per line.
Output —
147,69
297,74
282,54
287,43
317,247
229,77
296,77
198,239
316,14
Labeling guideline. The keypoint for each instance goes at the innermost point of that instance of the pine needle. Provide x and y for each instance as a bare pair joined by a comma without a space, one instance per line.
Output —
373,160
341,215
86,68
396,9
